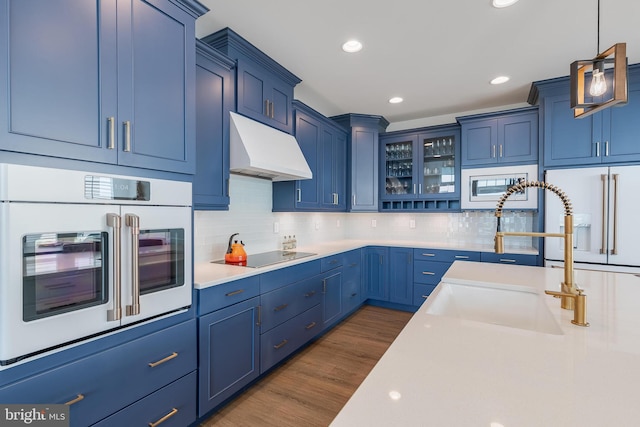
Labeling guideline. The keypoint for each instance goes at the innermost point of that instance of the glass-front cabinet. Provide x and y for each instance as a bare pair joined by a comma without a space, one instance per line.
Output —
420,169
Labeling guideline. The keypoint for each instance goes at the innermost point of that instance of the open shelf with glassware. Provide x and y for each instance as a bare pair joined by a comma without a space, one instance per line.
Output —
420,169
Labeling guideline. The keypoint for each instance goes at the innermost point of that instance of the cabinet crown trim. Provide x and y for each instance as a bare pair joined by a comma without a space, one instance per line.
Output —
234,45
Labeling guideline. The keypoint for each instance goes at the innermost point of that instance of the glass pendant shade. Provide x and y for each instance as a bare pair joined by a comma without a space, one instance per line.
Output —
598,82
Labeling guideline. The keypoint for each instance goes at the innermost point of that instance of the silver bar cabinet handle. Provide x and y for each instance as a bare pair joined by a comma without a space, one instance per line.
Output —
114,221
598,149
614,250
606,148
298,195
111,130
493,154
133,221
266,107
127,136
603,239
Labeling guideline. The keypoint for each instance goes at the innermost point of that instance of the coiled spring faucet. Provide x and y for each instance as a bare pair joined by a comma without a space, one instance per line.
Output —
571,297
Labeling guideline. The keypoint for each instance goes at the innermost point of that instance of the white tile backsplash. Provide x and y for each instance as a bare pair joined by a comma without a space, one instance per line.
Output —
250,215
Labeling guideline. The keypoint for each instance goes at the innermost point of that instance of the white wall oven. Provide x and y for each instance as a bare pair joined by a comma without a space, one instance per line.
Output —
483,187
83,254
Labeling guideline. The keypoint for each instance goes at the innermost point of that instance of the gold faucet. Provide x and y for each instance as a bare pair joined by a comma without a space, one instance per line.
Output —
571,297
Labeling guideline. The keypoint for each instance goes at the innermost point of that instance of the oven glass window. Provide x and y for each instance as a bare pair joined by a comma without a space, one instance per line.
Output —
494,187
161,258
63,272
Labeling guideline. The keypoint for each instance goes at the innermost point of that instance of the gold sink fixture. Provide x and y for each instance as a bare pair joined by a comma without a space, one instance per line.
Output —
572,298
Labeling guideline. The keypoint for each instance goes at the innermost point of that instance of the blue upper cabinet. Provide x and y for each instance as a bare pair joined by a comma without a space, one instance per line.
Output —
420,169
608,136
363,133
323,145
215,91
100,81
505,138
264,88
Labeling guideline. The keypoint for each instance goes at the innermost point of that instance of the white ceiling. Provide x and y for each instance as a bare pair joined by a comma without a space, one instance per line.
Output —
438,56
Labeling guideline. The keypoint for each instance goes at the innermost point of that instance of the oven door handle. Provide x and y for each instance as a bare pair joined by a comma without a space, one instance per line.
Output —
114,221
133,222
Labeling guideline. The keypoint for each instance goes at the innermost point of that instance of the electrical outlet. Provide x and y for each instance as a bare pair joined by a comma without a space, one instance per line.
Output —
276,227
317,225
412,223
374,223
337,223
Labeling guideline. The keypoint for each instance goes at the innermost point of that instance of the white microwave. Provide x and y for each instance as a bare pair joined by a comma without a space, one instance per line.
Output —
482,188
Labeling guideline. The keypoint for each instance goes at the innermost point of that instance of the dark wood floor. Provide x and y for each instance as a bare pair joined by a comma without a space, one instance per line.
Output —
311,387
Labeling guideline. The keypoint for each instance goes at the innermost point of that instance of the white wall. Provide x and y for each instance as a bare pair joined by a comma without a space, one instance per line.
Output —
250,215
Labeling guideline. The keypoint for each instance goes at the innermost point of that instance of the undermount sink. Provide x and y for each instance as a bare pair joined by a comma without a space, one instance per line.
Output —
515,307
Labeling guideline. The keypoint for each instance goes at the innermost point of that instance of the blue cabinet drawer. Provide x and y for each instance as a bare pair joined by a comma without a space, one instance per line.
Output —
285,276
171,406
518,259
429,273
113,379
445,255
332,262
283,340
421,292
282,304
226,294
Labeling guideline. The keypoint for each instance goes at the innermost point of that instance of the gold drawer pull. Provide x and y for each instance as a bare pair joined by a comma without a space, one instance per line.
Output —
280,307
165,418
76,400
310,325
230,294
166,359
281,344
429,273
428,254
310,294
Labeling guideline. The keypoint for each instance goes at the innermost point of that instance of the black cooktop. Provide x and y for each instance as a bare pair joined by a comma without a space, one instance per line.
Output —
269,258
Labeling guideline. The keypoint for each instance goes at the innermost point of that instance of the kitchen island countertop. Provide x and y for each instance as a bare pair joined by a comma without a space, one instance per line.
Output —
446,371
210,274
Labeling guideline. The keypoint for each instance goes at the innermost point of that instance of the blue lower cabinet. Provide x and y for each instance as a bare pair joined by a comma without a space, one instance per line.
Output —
171,406
99,385
421,292
332,295
376,273
400,275
283,340
229,352
352,292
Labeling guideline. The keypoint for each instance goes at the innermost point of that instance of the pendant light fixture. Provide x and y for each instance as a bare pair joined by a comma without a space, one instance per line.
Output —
601,96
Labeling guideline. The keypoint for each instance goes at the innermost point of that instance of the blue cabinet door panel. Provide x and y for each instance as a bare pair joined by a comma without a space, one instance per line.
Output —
332,297
479,144
566,139
251,86
280,98
623,127
376,274
60,87
400,275
308,135
282,304
154,86
518,140
229,352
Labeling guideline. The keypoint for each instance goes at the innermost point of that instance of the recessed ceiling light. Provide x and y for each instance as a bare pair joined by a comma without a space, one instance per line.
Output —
499,80
352,46
395,100
503,3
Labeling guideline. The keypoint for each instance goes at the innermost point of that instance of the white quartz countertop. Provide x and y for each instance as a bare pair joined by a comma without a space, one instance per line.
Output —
209,274
446,371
